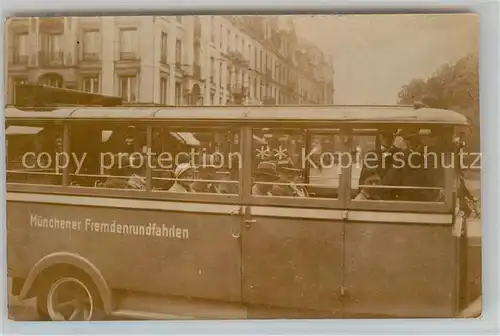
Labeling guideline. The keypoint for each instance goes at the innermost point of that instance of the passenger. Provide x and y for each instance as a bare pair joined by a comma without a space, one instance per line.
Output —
368,177
290,180
207,183
265,173
124,175
184,176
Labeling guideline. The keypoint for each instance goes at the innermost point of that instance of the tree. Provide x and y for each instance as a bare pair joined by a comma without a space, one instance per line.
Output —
452,86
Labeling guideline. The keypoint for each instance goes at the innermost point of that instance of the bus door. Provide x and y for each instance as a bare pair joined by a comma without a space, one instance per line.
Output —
292,239
399,245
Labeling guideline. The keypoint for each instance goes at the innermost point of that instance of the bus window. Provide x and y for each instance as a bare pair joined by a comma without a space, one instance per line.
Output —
397,165
108,155
197,160
285,166
33,153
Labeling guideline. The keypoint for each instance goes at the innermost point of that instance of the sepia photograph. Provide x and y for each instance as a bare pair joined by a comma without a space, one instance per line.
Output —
229,167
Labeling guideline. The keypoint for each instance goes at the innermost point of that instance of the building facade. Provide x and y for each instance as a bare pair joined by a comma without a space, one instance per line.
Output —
170,60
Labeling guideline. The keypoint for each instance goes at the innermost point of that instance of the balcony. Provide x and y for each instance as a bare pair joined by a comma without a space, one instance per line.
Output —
90,57
19,59
239,93
238,89
51,59
237,59
268,100
129,56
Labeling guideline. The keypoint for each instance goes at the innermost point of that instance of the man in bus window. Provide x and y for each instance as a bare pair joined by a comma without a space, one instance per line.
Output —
369,177
206,182
264,175
184,176
289,182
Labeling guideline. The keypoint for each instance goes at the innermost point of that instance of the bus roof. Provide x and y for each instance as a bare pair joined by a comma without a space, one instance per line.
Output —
284,113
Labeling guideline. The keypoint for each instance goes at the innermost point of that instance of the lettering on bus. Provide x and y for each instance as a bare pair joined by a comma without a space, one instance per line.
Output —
90,225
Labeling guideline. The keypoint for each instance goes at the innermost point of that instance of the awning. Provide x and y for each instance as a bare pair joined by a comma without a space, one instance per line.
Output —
186,138
106,135
22,130
260,140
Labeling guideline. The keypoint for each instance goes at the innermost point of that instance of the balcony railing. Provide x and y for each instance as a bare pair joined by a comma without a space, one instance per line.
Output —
20,59
128,56
90,57
51,58
239,89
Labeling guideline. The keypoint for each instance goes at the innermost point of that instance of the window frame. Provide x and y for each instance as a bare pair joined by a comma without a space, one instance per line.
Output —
399,206
322,203
129,81
130,35
60,125
245,197
93,78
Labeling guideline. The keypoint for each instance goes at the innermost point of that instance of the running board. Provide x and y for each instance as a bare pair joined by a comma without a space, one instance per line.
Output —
143,315
155,307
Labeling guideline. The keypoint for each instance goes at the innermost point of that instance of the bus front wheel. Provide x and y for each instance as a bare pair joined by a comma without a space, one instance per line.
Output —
69,298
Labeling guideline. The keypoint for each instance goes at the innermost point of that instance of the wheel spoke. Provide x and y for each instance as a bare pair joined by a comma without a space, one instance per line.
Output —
69,300
62,305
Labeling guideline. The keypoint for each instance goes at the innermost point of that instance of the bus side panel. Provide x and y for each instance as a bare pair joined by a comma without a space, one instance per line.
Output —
399,270
199,258
293,263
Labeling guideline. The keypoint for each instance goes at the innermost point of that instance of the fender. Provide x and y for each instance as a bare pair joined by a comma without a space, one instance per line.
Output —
74,260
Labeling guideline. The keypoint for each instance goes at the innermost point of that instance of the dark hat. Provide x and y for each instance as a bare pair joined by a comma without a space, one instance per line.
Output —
287,166
266,170
367,172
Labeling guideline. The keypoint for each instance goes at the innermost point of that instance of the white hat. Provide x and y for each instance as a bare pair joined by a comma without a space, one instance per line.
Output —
182,168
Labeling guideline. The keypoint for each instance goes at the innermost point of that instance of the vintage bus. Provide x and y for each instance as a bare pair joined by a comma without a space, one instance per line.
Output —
222,244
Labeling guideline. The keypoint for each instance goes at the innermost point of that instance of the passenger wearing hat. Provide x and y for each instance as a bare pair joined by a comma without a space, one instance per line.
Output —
265,173
368,177
184,176
290,179
206,184
126,165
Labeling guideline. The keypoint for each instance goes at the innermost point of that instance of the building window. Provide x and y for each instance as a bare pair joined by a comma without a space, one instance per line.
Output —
221,73
128,88
20,49
178,93
221,37
163,90
51,47
178,52
256,91
91,45
212,69
178,18
128,44
164,44
250,56
212,29
15,81
228,40
91,84
51,80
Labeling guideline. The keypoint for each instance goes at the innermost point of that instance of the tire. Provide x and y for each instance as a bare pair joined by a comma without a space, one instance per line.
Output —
41,305
70,297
